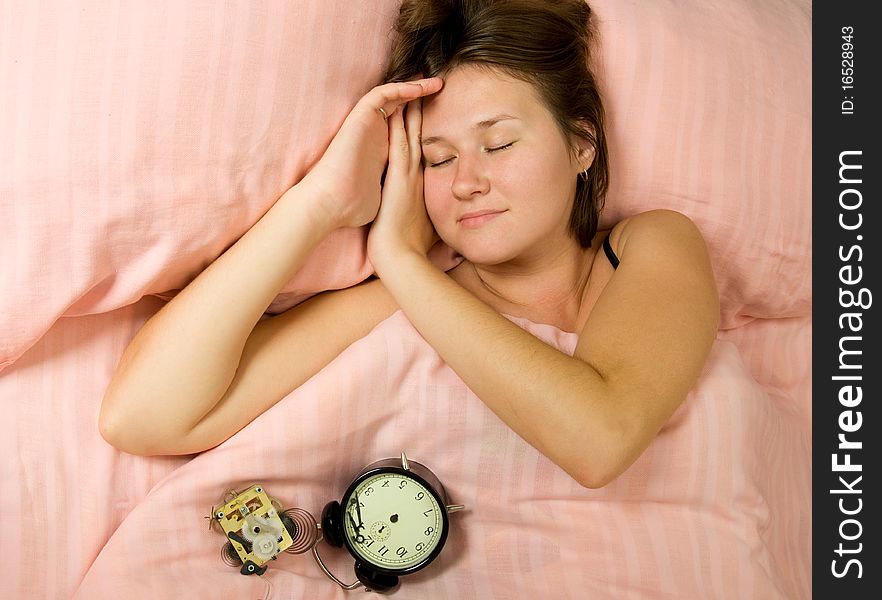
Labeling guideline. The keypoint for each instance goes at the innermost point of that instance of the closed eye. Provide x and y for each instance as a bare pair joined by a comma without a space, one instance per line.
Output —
503,147
439,163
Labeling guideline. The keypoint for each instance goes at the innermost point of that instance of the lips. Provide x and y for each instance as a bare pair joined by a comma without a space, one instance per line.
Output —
478,217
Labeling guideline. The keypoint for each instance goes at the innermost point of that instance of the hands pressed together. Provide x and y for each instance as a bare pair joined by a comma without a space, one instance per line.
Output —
381,132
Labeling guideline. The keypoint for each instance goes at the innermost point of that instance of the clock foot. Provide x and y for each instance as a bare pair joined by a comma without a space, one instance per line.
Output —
375,582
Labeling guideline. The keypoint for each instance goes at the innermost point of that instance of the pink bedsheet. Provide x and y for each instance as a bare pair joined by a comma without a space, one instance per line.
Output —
718,506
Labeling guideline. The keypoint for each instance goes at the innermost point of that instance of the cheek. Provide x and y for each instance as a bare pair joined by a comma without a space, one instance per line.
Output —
436,195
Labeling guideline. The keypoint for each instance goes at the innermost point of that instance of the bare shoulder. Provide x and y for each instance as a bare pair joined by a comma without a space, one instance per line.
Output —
662,255
658,231
648,244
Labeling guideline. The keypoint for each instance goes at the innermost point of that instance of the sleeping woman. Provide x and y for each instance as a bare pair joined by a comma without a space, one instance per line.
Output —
491,137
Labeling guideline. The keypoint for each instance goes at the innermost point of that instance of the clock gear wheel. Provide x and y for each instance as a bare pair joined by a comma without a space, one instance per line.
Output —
258,530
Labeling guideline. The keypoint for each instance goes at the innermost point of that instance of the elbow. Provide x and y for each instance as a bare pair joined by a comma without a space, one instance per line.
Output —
116,423
606,461
596,476
133,435
593,470
118,434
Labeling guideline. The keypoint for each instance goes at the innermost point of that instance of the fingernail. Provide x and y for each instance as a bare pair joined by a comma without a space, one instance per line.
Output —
421,82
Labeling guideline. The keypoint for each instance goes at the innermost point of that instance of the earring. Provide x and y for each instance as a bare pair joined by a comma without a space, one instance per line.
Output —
584,175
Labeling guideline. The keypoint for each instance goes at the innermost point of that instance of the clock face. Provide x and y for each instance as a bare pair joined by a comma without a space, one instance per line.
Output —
394,521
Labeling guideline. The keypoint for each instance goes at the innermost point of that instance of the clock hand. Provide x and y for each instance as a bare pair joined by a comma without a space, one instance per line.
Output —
358,510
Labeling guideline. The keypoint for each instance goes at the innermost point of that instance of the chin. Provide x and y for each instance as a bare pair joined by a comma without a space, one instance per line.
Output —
484,254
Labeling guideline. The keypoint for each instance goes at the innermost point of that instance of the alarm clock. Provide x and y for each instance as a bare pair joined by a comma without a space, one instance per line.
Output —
393,520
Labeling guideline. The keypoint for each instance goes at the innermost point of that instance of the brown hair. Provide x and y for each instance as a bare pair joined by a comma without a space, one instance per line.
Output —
544,43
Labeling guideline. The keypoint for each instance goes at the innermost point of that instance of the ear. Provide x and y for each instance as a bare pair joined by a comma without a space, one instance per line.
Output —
584,153
583,149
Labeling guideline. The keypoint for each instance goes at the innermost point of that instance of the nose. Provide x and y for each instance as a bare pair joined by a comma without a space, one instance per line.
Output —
470,179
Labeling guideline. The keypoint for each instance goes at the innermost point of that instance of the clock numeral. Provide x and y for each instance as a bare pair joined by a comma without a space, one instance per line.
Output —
383,551
368,491
419,496
385,483
401,552
370,541
419,547
402,484
430,530
428,513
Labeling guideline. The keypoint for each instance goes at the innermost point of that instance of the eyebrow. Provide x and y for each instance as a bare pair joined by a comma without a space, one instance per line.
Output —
485,124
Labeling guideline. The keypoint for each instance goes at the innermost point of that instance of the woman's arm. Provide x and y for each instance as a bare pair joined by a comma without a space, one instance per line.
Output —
171,392
640,352
184,358
280,354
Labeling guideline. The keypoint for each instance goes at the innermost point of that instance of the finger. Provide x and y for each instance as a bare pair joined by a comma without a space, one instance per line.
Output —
413,121
398,143
391,95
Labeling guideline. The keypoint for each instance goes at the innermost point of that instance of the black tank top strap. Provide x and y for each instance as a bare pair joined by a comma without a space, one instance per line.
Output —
613,259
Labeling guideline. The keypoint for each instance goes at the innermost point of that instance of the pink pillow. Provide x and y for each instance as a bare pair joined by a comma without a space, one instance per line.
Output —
139,143
709,106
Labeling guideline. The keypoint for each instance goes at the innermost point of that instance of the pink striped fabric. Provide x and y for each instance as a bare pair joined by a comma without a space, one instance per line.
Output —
704,513
138,141
710,114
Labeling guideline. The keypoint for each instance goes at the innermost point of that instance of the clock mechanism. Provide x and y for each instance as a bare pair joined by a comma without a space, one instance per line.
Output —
258,529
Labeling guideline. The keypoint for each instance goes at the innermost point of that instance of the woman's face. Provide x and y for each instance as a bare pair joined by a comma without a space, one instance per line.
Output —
499,175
